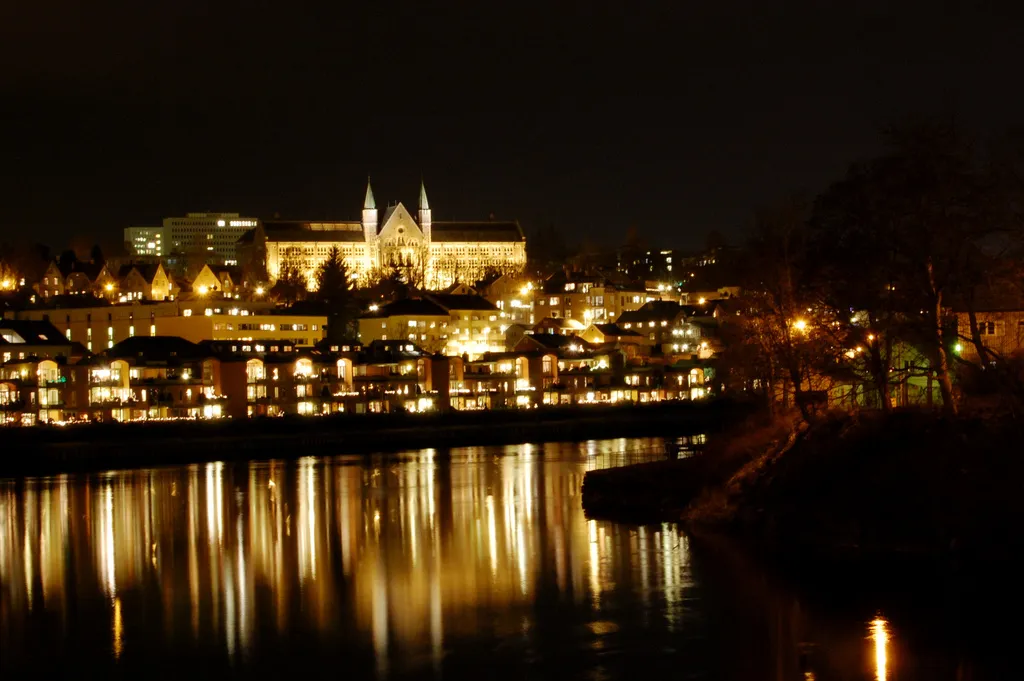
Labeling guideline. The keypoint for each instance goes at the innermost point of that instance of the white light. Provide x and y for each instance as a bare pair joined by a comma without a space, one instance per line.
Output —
220,223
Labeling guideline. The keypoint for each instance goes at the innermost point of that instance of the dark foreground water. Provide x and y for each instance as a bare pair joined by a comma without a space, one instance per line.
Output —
475,563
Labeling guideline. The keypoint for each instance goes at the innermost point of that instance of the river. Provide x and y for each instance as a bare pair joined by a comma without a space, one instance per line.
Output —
468,563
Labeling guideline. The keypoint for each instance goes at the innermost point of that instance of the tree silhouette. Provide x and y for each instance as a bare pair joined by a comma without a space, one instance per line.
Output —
290,286
334,292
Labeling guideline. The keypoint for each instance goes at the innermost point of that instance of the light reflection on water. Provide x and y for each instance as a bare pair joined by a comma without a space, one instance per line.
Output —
422,564
411,552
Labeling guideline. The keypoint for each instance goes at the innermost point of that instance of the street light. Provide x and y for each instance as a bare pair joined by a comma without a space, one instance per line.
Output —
800,325
203,290
259,290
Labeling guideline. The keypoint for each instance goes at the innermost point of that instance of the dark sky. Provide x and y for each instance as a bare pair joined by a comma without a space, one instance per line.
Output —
679,117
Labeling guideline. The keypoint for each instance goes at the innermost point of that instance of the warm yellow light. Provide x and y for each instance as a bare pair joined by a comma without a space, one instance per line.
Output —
108,288
871,337
880,636
203,290
8,284
259,290
800,325
701,301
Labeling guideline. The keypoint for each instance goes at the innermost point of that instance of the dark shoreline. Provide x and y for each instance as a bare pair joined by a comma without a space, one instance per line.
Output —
864,489
51,450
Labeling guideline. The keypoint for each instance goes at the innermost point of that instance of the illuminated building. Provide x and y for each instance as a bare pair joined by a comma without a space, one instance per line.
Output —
206,237
144,241
217,281
198,319
451,324
78,278
430,254
142,282
589,299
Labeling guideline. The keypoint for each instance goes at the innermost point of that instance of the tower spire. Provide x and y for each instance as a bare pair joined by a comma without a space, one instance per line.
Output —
368,202
424,205
425,222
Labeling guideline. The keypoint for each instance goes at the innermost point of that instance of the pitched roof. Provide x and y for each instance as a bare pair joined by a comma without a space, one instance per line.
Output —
34,332
313,232
155,348
485,231
248,237
411,307
655,310
146,270
616,330
89,269
556,340
390,351
454,301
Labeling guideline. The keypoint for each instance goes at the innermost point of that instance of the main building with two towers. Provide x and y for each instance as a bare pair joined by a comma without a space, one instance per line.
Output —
427,253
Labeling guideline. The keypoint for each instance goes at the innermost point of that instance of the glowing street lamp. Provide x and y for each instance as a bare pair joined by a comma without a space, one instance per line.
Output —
203,290
108,288
800,325
259,290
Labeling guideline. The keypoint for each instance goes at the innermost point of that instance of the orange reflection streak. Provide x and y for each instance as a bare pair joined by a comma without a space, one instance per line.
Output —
880,635
411,552
118,628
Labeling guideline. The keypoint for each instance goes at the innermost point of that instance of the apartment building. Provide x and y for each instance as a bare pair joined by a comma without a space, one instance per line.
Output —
100,328
450,324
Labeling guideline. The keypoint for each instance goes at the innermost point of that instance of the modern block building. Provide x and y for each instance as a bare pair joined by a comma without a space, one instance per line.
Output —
206,237
144,242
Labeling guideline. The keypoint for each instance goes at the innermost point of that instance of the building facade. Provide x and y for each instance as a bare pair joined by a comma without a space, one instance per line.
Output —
429,254
206,237
144,242
450,324
100,328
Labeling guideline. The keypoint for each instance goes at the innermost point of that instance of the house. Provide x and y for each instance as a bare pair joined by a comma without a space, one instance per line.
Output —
599,334
143,282
586,298
218,281
449,323
1000,325
658,321
24,339
512,294
559,325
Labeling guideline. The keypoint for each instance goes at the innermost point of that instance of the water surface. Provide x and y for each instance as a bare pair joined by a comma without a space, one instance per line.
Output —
468,563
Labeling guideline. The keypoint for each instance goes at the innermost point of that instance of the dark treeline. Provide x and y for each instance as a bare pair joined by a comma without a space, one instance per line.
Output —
864,283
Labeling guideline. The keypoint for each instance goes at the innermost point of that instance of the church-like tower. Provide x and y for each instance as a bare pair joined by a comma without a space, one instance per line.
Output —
424,213
369,215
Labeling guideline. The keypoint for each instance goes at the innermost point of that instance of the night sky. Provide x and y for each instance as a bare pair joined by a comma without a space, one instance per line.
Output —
677,117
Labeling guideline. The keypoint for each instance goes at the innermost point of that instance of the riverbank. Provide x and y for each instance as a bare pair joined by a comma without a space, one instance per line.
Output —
864,486
47,450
